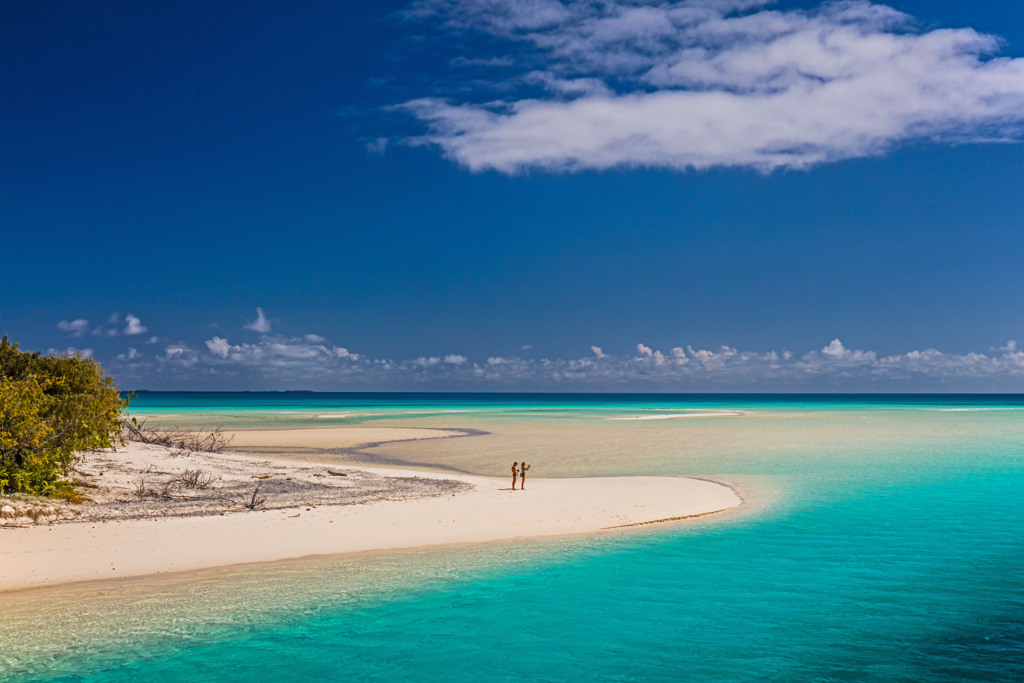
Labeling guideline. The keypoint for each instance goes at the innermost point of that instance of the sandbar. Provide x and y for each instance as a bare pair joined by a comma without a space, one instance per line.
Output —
328,512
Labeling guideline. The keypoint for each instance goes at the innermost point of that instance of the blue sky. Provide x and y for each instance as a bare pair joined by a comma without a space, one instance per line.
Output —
483,194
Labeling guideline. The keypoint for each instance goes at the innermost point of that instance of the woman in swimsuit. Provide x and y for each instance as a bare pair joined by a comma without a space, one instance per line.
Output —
515,471
522,476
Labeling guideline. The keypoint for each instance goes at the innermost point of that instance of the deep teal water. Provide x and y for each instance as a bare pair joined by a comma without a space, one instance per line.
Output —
901,563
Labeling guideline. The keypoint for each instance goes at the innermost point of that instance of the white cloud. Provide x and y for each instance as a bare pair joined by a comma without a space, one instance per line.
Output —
341,352
131,355
679,355
70,351
699,84
260,324
76,327
80,326
835,349
1010,346
218,347
837,352
292,361
314,338
292,350
712,360
134,325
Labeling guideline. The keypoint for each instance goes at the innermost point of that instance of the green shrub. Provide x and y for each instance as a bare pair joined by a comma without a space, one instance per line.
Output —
51,408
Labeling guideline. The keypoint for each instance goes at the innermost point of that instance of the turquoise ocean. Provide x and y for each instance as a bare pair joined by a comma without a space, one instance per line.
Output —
882,540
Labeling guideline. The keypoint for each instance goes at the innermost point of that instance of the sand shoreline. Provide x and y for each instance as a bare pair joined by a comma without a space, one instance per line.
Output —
313,512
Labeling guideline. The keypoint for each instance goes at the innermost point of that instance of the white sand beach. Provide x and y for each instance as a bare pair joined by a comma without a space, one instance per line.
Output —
311,509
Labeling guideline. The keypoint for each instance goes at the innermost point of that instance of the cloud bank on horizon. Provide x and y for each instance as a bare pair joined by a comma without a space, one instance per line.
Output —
272,361
566,85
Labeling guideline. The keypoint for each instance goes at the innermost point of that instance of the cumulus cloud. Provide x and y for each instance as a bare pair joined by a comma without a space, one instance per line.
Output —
76,327
276,360
218,346
342,352
837,352
260,324
134,326
700,83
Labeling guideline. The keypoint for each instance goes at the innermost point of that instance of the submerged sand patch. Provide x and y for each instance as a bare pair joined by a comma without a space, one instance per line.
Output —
335,438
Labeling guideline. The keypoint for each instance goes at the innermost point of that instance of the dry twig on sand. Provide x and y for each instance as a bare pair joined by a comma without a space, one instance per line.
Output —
184,442
195,479
256,501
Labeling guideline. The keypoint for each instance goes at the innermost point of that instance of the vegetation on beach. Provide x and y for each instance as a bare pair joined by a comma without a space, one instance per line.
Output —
51,409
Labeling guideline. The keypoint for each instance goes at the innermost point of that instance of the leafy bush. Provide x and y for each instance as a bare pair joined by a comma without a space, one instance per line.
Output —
51,408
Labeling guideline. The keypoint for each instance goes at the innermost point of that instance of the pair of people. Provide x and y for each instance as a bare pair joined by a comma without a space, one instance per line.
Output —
520,471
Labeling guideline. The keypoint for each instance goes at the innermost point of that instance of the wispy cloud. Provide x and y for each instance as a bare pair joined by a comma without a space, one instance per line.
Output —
705,83
79,326
260,324
76,327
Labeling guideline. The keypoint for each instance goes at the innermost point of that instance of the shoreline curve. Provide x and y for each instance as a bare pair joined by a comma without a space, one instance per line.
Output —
484,509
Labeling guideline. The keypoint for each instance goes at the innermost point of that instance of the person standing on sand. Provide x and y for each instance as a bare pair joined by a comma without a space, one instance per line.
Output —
522,476
515,471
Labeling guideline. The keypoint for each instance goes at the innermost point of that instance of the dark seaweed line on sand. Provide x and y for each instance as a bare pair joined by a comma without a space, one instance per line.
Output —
669,519
375,458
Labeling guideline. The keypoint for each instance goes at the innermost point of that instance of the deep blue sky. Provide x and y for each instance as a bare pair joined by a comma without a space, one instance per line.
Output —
187,163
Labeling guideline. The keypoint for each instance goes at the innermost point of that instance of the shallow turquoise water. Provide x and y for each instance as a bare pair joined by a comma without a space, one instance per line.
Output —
877,562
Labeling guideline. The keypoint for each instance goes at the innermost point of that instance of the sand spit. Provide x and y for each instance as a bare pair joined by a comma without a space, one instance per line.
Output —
145,519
